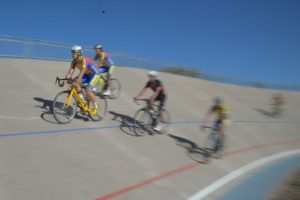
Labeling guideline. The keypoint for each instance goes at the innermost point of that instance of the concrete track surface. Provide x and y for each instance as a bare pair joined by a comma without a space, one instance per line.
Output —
43,160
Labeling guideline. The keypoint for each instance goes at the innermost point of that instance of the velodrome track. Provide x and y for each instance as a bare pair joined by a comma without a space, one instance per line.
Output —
40,159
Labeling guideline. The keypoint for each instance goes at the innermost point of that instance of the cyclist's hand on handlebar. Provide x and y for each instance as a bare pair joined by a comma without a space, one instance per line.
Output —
61,83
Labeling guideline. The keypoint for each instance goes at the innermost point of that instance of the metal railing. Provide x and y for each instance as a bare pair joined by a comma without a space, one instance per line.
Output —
17,47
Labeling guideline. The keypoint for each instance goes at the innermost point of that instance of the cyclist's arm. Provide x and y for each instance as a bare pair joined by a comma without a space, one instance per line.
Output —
141,93
68,75
71,71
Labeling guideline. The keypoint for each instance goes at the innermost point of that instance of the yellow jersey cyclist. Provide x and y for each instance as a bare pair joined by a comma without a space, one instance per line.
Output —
89,74
221,112
105,65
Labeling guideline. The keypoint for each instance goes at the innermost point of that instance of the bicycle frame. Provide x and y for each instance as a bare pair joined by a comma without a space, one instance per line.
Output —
73,92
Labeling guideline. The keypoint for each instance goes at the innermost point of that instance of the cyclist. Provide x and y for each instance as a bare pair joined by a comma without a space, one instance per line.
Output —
89,74
221,111
105,65
159,94
277,103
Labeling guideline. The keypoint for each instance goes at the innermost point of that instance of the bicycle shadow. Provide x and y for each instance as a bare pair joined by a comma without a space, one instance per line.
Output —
265,112
127,124
47,111
193,151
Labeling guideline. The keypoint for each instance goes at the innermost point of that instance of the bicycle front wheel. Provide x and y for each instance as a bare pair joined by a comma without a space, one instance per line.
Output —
142,121
115,88
64,107
102,105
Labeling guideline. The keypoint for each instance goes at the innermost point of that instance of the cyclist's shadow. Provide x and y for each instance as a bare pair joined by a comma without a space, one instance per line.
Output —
193,151
47,113
46,106
126,123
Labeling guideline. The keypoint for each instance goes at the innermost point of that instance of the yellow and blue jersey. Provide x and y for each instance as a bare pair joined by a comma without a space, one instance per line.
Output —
86,63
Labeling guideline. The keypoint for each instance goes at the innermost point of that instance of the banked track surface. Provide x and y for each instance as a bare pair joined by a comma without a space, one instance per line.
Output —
41,159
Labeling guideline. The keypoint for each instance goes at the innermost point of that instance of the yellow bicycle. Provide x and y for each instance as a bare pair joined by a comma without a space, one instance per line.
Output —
66,103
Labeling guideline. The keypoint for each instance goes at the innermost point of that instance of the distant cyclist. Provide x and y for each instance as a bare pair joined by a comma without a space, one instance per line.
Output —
89,74
159,94
277,103
220,111
106,65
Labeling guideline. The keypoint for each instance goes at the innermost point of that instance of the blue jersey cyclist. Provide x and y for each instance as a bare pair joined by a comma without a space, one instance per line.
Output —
89,73
105,65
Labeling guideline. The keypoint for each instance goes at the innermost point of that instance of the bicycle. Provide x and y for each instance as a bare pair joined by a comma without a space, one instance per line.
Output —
67,102
115,87
213,144
146,118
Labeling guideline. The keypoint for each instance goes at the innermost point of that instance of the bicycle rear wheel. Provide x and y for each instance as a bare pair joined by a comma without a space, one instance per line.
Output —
214,145
142,121
64,107
115,88
102,104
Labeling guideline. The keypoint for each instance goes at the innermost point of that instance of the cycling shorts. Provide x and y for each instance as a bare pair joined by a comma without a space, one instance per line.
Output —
162,101
109,69
90,80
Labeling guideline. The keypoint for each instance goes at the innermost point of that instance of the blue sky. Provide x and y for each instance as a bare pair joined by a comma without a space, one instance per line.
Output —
251,39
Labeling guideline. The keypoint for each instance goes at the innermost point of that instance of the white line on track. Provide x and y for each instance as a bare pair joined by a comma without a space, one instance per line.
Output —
221,182
19,118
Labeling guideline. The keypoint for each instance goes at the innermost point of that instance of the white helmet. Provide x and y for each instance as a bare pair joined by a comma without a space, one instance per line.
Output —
98,46
76,48
152,73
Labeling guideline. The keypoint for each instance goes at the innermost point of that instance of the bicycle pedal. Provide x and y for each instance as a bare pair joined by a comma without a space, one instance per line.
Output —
93,111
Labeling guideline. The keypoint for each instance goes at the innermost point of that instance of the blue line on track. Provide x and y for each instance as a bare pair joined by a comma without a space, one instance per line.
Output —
185,122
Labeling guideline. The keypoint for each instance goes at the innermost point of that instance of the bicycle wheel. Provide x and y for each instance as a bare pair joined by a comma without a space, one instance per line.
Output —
166,118
115,88
64,111
142,121
102,104
214,145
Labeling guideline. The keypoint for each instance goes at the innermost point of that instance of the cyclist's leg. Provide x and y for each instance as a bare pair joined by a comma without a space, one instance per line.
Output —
84,80
161,98
111,69
162,101
220,127
102,70
90,87
107,80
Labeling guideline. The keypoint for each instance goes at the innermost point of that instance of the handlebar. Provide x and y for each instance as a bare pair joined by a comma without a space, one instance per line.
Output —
69,81
145,100
209,127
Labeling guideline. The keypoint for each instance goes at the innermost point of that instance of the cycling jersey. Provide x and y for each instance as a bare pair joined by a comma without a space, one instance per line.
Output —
161,97
84,62
220,111
154,85
104,59
91,76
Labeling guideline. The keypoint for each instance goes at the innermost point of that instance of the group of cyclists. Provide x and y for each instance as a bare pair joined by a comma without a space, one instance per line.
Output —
90,71
89,75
